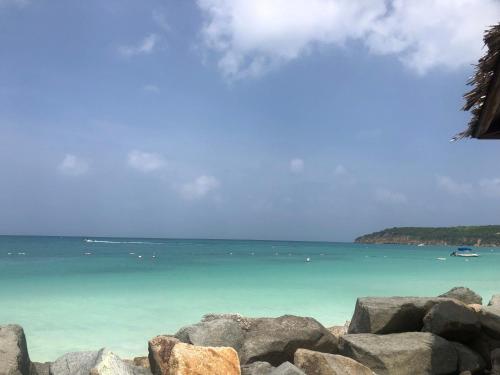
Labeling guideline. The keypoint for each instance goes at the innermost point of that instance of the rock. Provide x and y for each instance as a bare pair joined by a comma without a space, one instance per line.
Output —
383,315
465,295
489,317
141,362
484,345
338,331
411,353
214,332
186,359
286,368
469,360
315,363
272,340
42,368
495,300
14,357
159,349
495,362
475,307
275,340
257,368
102,362
452,320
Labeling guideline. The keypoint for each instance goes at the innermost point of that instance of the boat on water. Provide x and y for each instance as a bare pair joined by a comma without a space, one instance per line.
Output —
465,252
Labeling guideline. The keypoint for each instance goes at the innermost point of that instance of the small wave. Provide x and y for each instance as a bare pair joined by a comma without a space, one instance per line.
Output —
133,242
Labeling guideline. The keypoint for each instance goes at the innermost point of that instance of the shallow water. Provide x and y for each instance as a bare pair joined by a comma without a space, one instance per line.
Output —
67,300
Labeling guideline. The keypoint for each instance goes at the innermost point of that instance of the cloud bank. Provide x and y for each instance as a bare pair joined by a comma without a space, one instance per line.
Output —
252,37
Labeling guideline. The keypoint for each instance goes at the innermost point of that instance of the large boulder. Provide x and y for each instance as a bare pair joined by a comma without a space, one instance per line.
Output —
213,332
489,318
469,360
257,368
315,363
102,362
411,353
484,345
286,368
160,349
42,368
495,362
382,315
495,300
452,320
463,294
186,359
272,340
14,357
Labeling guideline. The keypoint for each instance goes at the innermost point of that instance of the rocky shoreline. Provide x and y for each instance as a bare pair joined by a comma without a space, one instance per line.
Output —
453,333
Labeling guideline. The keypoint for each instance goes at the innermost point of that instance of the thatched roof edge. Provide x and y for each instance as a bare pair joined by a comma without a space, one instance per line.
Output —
482,81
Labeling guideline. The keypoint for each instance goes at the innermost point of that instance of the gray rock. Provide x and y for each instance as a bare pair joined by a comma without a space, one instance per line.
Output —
489,317
484,345
383,315
14,357
42,368
463,294
469,360
272,340
257,368
495,300
495,362
102,362
275,340
411,353
286,368
315,363
216,332
452,320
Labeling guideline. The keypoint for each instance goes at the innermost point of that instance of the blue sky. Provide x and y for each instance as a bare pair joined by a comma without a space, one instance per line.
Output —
301,120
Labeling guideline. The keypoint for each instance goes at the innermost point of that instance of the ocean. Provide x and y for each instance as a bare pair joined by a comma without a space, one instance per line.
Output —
74,293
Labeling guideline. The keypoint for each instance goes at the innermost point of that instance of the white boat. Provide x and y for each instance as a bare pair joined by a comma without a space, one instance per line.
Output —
464,252
308,260
421,244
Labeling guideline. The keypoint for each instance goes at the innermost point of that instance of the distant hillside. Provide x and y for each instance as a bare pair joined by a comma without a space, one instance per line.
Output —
488,235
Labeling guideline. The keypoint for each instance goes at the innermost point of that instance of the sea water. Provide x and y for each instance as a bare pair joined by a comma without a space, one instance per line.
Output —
70,294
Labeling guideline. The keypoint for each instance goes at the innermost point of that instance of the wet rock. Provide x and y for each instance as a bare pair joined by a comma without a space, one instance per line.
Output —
452,320
495,300
469,360
257,368
463,294
14,357
383,315
286,368
315,363
186,359
411,353
160,349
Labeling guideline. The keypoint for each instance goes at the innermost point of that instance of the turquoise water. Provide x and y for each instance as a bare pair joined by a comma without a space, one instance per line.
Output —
68,301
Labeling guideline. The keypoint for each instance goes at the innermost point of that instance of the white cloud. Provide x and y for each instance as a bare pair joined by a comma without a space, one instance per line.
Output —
453,187
388,196
151,88
490,187
146,46
296,165
161,20
199,188
252,37
145,161
73,166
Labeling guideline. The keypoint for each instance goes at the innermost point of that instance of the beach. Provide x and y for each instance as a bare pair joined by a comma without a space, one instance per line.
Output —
73,295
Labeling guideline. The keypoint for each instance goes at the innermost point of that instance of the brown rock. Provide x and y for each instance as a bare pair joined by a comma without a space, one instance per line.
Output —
316,363
188,359
141,362
160,349
339,331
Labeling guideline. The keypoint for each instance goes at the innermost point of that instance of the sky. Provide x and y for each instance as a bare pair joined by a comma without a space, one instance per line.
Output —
264,119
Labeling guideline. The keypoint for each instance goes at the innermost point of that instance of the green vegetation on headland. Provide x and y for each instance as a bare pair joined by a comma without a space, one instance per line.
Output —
487,235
